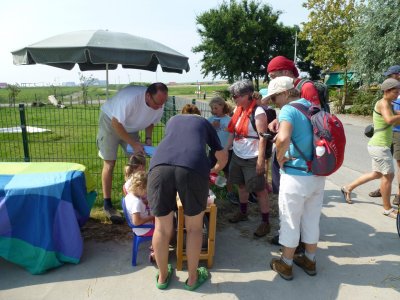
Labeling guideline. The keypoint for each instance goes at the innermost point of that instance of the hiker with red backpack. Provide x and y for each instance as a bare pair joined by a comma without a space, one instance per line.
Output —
315,93
310,145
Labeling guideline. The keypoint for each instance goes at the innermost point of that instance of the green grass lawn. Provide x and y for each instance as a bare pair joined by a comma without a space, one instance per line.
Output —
74,94
72,138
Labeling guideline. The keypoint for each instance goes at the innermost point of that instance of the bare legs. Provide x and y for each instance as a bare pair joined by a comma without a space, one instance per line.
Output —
386,185
194,231
164,227
106,177
162,236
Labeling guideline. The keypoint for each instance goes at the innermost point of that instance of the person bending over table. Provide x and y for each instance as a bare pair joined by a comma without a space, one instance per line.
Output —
180,165
134,108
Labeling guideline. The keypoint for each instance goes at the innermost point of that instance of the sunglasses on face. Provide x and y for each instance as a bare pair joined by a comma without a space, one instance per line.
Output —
238,96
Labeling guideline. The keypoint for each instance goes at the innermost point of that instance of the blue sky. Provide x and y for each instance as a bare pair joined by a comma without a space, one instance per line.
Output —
172,22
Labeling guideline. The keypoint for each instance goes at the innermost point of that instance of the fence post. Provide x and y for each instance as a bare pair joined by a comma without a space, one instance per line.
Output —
173,106
24,133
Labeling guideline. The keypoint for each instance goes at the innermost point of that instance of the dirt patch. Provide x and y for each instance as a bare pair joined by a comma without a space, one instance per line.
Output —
99,229
103,231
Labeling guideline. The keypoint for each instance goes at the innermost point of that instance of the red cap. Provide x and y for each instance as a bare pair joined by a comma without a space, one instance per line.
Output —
282,63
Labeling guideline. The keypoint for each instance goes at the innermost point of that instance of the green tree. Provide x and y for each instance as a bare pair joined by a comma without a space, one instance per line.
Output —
13,91
238,39
330,25
85,82
376,42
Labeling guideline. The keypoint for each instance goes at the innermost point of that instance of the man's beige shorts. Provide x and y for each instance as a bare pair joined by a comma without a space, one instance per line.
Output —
382,159
108,140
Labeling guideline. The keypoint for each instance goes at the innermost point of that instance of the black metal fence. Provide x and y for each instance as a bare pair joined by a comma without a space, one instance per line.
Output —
49,133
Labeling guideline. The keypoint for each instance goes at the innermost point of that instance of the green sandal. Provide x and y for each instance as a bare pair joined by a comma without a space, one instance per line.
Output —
164,285
202,276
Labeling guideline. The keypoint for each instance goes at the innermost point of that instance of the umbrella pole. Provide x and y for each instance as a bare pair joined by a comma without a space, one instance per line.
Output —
106,81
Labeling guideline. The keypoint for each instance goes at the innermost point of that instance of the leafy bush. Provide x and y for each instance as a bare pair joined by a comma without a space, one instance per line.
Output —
364,102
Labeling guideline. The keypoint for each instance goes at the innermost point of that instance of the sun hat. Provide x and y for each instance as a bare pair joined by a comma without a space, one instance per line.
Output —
279,85
392,70
282,63
390,83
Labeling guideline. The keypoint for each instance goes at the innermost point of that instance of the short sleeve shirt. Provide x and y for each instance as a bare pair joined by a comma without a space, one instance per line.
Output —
223,134
301,135
247,148
129,107
136,205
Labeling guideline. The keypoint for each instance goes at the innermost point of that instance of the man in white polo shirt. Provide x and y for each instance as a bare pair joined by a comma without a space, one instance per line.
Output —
132,109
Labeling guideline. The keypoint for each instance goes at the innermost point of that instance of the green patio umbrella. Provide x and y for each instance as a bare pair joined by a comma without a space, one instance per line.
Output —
101,50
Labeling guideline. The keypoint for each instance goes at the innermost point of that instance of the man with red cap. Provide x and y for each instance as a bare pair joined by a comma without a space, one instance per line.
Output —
282,66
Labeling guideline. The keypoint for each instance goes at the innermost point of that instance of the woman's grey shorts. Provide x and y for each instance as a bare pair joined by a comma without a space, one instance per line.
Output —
243,172
382,159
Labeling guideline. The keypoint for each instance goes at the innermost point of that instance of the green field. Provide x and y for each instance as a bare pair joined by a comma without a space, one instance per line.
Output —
72,138
74,94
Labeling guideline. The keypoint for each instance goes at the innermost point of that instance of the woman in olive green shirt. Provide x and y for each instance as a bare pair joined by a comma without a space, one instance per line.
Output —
379,147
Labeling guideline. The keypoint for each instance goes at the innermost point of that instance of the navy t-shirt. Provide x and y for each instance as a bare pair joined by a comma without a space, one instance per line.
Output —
184,144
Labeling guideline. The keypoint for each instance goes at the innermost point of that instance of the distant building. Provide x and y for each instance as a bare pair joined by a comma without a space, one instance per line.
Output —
336,79
98,82
3,85
68,83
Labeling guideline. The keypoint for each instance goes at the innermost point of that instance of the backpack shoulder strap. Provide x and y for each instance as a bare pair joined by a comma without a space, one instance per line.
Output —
302,108
253,118
299,86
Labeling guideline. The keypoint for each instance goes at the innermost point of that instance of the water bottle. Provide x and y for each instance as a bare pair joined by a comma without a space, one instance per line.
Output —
320,149
218,180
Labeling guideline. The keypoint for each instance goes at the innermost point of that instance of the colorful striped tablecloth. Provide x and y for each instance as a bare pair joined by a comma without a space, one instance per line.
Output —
42,207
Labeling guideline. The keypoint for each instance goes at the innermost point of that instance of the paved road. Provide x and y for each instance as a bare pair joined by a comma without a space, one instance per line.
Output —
358,257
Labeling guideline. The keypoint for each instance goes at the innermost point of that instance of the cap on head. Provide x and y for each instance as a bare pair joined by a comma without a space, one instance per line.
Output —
390,83
279,85
241,87
392,70
282,63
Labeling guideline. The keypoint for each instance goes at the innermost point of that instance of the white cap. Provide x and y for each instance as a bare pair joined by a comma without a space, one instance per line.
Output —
279,85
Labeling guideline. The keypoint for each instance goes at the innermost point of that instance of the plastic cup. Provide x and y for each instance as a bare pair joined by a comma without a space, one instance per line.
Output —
220,181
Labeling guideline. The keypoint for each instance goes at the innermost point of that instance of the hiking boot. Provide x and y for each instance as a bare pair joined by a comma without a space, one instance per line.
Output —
113,215
376,193
284,270
262,229
232,198
395,200
238,217
306,264
253,198
275,240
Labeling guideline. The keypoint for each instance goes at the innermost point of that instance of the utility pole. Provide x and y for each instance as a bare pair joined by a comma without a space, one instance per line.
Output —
295,49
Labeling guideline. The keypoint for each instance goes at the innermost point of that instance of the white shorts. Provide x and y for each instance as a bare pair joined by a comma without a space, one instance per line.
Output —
382,159
300,204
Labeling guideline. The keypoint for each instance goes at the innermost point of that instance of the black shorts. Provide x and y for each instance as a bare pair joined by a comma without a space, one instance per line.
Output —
165,181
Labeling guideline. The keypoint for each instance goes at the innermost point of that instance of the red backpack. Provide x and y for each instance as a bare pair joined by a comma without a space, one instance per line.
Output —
328,133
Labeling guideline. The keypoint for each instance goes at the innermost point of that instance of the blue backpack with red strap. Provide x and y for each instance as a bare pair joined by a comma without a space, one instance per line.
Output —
328,132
